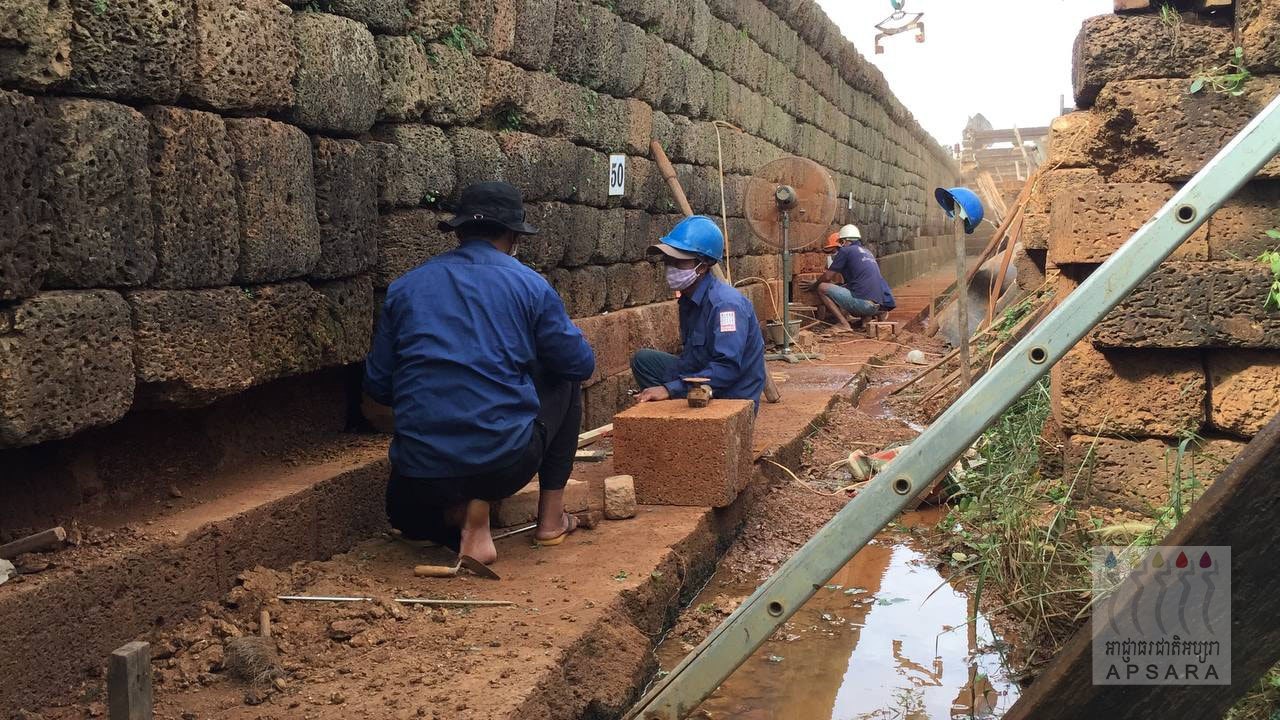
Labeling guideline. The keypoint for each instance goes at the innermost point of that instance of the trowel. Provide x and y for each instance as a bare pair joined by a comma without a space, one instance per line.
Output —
472,565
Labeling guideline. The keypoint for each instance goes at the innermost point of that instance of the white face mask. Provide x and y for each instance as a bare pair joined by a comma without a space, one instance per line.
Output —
679,279
830,259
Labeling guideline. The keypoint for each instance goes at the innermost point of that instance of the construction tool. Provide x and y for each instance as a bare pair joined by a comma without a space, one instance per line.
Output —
771,394
402,601
447,571
516,531
253,657
591,436
699,391
937,448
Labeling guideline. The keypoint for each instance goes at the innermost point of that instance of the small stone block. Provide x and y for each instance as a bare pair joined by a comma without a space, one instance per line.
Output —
522,508
619,497
680,455
884,330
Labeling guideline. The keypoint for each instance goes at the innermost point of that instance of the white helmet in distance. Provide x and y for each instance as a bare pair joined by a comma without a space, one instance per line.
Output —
850,233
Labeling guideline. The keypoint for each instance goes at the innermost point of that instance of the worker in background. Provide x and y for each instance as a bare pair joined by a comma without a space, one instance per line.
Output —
718,326
477,358
861,291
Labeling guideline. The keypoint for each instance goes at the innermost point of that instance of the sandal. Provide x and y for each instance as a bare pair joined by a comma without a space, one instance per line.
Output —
570,525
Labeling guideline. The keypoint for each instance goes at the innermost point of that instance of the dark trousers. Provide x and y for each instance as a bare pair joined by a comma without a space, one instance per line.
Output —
417,506
652,368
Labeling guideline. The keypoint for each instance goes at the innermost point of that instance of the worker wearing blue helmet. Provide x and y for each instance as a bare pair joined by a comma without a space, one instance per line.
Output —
718,326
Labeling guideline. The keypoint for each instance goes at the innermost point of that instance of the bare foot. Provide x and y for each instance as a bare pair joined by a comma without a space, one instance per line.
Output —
477,540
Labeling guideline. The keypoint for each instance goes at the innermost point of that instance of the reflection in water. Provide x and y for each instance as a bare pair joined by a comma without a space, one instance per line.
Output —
870,646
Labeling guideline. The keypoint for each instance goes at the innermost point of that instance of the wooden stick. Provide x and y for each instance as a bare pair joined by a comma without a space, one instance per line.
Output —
591,436
47,540
1015,334
962,309
264,623
998,281
402,601
129,682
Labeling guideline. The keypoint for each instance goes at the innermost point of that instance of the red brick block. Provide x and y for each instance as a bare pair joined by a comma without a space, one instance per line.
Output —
522,508
679,455
1087,225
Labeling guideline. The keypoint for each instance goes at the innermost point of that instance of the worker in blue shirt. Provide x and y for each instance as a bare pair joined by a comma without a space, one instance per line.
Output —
479,361
718,325
864,292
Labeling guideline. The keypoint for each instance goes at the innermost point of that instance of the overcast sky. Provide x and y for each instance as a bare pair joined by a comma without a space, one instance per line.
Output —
1007,59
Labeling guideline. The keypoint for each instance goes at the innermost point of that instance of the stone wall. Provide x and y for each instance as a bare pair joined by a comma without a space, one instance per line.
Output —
206,195
1192,352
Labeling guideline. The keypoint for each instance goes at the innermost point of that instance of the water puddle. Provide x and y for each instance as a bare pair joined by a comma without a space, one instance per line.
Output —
887,638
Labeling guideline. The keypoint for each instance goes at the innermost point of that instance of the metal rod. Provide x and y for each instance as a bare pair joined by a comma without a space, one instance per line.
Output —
730,644
786,282
402,601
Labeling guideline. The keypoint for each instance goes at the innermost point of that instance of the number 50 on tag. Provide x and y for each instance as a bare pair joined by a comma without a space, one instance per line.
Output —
617,175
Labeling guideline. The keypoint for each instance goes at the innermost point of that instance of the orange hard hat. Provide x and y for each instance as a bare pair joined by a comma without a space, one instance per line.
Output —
833,242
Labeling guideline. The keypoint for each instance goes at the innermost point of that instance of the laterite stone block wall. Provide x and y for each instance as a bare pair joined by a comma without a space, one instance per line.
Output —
1193,351
202,196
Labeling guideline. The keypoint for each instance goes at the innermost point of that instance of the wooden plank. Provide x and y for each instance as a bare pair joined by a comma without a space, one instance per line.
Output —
1238,510
591,436
47,540
129,682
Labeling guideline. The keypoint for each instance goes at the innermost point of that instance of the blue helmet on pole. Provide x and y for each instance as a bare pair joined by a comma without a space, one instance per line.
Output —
964,202
695,238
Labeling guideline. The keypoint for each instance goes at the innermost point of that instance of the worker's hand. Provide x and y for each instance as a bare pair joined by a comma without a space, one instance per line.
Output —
654,394
809,285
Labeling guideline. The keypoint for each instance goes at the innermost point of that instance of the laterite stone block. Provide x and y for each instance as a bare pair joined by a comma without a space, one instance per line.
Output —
416,164
193,199
1238,229
679,455
98,190
244,56
131,49
1258,27
1136,474
1244,390
381,16
1128,392
65,365
35,43
1087,225
275,190
24,251
337,87
406,239
346,184
522,508
1114,47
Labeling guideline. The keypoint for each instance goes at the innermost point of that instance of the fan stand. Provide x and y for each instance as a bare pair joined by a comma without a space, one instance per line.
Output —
786,199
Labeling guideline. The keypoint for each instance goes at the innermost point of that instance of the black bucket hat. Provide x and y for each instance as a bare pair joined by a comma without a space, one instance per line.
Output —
491,203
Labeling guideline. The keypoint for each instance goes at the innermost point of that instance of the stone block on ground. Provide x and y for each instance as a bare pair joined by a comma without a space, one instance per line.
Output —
406,239
679,455
522,508
1087,225
193,199
1244,390
131,49
24,250
1137,475
275,190
619,497
1258,29
1155,131
65,365
346,206
417,165
1128,392
35,43
98,194
338,86
244,56
1113,47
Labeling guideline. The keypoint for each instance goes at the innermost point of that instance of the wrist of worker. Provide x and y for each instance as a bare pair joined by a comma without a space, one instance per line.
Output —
676,389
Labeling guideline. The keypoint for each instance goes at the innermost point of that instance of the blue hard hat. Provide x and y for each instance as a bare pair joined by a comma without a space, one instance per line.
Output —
694,238
968,202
